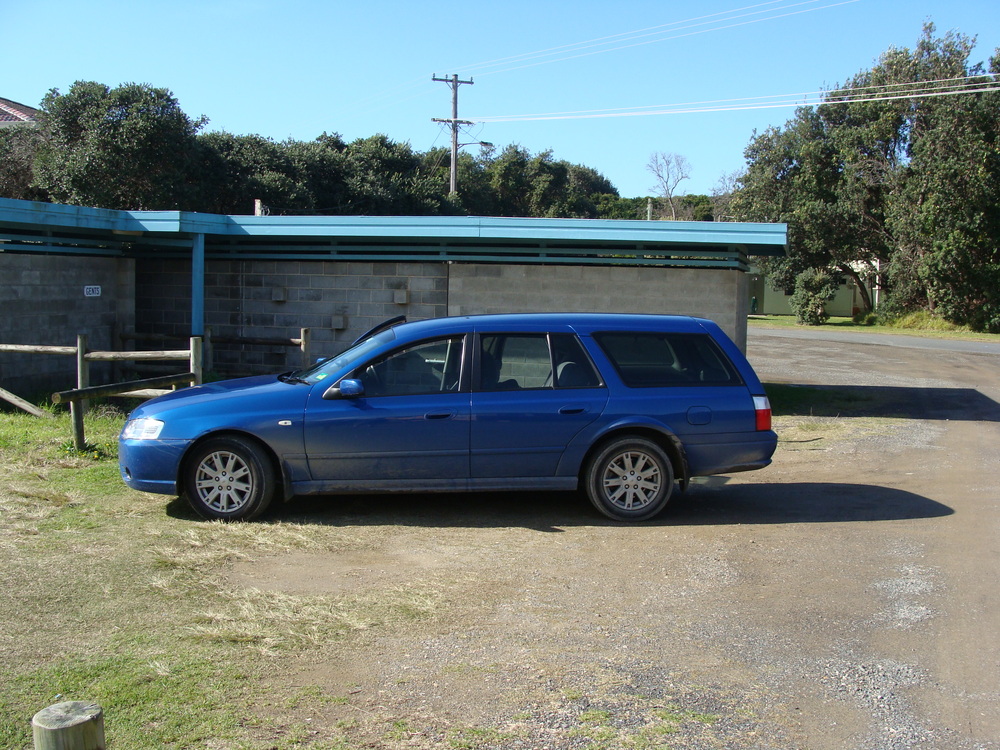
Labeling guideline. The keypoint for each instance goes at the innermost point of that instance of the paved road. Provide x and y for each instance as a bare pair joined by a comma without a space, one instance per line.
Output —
902,612
908,341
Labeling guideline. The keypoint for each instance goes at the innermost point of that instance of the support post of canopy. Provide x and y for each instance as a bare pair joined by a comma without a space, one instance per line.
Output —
198,285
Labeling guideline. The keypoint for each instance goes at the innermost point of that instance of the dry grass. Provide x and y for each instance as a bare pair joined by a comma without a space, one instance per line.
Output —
825,433
122,598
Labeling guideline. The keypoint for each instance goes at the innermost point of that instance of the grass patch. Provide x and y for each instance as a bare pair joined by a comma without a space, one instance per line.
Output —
272,621
168,701
124,598
809,417
595,716
121,598
676,716
804,400
913,324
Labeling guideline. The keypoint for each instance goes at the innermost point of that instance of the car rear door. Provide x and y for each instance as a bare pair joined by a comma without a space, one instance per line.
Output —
534,392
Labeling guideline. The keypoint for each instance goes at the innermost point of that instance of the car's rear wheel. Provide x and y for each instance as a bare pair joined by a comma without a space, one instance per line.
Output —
229,478
629,479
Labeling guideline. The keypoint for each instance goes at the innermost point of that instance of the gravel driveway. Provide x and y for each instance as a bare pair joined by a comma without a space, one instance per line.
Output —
843,598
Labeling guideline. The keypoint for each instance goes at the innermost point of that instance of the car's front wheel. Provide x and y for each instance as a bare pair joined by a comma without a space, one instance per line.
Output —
229,478
629,479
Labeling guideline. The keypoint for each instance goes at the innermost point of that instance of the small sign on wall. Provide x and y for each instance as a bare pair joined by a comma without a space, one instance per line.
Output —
92,290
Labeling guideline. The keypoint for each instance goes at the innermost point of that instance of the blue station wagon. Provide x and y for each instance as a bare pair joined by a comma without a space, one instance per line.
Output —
623,406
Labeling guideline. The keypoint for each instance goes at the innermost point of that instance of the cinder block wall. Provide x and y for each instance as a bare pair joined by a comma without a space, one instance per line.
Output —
337,301
719,295
42,302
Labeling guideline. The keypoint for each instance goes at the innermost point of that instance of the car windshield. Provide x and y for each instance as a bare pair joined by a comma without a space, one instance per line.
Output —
345,360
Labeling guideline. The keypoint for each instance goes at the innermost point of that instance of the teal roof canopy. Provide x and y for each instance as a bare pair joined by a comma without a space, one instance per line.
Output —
32,227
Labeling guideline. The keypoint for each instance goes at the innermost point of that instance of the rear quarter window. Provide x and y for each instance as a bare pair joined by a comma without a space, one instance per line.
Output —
655,360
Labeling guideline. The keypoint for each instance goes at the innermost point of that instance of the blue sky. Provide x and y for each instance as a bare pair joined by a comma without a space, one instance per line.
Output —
298,69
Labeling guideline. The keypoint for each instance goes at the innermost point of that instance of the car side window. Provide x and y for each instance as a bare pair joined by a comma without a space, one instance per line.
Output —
513,362
573,368
428,367
525,361
652,360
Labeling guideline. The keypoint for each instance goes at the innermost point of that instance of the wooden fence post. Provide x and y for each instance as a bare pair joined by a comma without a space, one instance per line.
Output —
196,359
72,725
78,408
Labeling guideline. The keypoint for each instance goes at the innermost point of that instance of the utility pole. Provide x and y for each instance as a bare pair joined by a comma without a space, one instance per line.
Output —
453,83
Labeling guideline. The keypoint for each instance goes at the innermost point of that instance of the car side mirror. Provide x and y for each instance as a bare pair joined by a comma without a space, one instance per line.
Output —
346,388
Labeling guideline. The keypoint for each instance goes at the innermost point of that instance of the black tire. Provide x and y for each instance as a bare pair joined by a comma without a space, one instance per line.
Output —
629,479
229,478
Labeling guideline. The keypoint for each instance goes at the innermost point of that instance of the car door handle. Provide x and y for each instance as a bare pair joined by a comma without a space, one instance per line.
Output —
439,414
573,409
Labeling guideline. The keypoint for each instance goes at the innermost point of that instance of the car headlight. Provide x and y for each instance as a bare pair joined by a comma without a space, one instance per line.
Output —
144,428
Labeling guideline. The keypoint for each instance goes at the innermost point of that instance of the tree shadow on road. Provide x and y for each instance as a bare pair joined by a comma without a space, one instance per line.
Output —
966,404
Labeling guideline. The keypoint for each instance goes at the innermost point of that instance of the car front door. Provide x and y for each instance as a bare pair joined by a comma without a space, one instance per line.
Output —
409,428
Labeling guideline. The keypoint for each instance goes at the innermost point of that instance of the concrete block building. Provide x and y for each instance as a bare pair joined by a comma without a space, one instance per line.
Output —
66,270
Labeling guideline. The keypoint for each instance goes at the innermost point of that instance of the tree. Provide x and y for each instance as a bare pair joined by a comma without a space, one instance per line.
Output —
384,177
669,170
945,211
813,289
794,175
508,175
239,169
320,167
538,185
862,183
722,195
613,206
18,146
475,194
696,208
131,147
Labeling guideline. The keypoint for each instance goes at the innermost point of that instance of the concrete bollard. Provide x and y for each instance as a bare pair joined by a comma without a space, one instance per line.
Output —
72,725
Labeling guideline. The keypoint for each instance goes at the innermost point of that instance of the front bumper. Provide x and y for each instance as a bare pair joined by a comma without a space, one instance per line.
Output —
152,465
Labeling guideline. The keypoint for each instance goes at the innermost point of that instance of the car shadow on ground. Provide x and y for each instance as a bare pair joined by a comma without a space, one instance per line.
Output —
711,501
965,404
714,501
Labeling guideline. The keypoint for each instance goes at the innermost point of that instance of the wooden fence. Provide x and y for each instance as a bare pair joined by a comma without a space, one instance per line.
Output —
77,397
209,340
199,354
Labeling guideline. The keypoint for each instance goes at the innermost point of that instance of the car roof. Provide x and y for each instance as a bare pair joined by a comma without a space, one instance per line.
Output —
582,322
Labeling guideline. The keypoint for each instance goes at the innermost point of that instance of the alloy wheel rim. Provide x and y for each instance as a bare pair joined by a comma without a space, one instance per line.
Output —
224,481
631,480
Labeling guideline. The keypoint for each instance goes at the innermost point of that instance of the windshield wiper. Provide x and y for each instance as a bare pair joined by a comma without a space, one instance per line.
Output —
292,377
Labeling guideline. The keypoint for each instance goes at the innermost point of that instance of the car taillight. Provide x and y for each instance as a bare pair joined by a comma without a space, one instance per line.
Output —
762,411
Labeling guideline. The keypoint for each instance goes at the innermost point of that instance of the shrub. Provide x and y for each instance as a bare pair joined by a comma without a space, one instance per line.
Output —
813,289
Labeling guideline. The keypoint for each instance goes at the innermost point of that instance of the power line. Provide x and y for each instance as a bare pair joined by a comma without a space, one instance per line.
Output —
604,40
572,51
624,40
880,93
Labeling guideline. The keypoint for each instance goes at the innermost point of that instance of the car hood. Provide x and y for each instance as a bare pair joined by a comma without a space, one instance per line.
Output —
251,393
